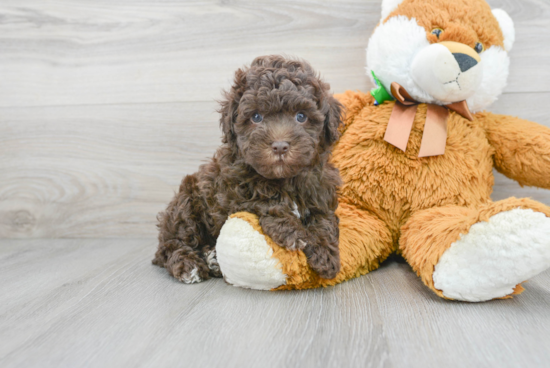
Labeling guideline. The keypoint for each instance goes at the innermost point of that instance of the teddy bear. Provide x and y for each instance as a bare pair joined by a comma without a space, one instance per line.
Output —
416,156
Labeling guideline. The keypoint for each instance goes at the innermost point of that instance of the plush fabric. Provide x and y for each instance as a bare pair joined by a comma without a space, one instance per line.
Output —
494,256
424,208
396,202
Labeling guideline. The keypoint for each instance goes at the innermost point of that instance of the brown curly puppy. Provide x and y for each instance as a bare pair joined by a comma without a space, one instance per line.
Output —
279,122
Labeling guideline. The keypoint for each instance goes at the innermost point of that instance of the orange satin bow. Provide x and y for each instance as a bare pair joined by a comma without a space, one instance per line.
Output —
401,122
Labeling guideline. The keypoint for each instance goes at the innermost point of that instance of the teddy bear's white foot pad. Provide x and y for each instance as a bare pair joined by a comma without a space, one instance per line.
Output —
495,256
245,258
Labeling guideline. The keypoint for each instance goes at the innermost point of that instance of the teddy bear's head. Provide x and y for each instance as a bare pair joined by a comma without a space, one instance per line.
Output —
443,51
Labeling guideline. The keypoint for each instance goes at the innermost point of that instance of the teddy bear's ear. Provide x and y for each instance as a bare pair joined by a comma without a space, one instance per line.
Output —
388,6
507,26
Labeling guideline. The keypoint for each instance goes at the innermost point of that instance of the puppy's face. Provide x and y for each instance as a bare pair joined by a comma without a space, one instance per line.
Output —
285,118
279,130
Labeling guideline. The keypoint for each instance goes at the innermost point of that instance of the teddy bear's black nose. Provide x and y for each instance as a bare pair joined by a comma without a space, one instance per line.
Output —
280,148
465,62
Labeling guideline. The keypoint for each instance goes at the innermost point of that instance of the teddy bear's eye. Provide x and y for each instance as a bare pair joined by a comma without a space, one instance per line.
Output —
257,118
301,117
479,47
437,32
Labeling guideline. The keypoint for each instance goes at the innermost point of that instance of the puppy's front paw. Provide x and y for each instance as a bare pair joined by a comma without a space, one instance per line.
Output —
297,245
283,233
292,242
322,261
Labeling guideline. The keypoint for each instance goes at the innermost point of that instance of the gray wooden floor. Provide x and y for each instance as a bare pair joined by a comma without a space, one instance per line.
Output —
99,303
106,104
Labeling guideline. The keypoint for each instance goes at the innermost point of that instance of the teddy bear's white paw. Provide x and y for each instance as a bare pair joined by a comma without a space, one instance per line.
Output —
495,256
245,258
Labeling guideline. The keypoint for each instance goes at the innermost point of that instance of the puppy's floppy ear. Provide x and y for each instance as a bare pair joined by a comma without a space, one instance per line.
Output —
229,106
333,120
228,109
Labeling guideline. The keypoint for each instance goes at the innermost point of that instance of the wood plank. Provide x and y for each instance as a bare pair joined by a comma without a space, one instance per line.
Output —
92,302
111,307
67,52
106,171
97,171
112,52
423,330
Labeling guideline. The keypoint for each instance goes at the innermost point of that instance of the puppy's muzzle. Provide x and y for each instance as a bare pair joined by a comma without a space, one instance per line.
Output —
280,147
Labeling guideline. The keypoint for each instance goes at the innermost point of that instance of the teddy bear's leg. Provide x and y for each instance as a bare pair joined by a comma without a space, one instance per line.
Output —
478,254
250,259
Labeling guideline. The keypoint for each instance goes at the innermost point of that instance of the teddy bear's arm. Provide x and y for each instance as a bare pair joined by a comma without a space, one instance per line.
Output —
522,148
354,102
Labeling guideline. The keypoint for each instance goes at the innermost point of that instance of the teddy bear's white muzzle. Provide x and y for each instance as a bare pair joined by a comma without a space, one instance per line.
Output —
446,73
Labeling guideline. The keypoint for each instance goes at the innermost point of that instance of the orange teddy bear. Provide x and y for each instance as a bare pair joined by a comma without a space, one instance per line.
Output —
418,171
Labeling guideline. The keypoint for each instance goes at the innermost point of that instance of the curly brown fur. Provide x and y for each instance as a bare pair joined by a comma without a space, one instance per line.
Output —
249,173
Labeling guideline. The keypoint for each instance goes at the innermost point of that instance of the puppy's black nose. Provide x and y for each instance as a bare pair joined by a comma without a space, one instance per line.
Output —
280,147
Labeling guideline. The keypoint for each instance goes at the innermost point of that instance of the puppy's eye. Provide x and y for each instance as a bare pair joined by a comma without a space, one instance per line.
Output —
257,118
301,117
437,32
479,47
